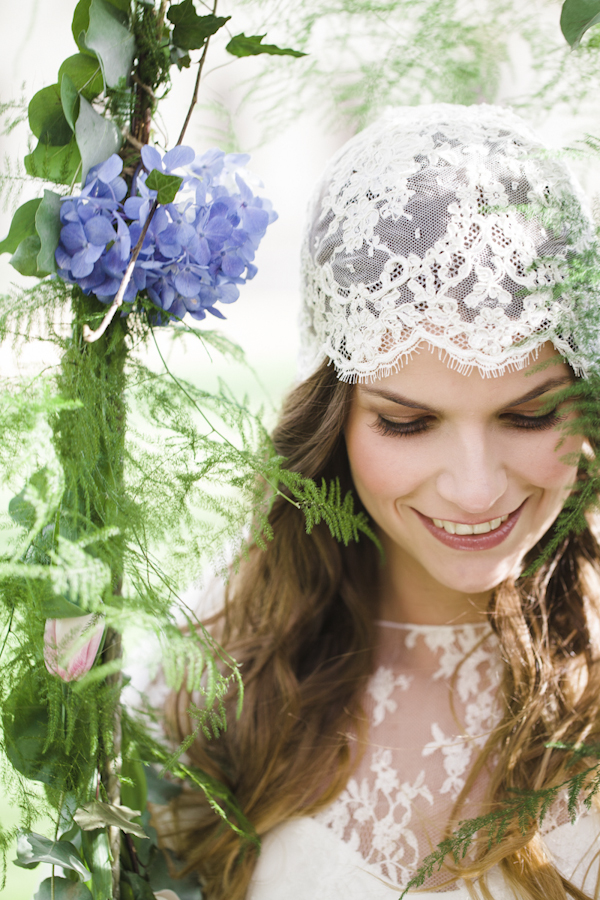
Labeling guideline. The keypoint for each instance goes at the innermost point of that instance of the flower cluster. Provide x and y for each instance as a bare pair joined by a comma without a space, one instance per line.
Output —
197,249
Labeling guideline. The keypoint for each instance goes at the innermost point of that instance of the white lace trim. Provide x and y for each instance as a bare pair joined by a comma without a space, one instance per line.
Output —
420,233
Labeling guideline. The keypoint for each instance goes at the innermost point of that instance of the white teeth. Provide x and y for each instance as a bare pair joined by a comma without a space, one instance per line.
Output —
459,528
482,528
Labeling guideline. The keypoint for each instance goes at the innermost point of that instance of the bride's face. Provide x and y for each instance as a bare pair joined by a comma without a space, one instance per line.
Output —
462,474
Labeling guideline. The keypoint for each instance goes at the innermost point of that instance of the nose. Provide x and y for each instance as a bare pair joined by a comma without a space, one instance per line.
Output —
472,476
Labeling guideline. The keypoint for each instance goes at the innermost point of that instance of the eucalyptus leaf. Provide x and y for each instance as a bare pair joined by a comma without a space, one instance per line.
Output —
97,855
112,41
47,225
252,45
33,849
80,24
166,185
576,17
69,97
192,30
58,164
123,5
22,226
97,814
47,119
97,137
63,890
24,260
85,73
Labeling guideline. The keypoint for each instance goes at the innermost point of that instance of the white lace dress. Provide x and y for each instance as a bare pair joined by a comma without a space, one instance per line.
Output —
431,704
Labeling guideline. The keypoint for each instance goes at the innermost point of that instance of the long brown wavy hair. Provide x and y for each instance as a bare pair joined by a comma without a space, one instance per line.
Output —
299,617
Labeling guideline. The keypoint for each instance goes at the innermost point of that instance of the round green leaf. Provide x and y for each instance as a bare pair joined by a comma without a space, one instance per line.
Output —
22,226
576,17
85,74
47,119
58,164
24,260
80,23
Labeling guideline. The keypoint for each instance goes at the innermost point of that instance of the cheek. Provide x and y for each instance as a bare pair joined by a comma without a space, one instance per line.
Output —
382,470
550,466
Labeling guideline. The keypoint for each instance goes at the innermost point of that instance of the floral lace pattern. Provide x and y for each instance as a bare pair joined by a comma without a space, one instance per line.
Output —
394,808
420,233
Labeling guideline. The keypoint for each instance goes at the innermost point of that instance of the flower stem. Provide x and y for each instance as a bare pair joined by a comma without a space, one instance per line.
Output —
197,85
112,766
90,336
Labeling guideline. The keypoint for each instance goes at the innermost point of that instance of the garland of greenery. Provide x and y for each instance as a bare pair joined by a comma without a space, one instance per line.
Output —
131,458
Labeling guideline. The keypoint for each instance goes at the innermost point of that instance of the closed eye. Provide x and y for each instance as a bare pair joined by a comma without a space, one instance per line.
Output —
538,423
388,427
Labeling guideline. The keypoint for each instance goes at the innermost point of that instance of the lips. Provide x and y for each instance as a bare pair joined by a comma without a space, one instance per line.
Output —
472,541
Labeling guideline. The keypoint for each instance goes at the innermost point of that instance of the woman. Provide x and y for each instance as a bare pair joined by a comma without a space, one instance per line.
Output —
388,697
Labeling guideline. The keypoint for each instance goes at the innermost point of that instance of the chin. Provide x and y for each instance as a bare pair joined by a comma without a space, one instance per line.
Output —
471,580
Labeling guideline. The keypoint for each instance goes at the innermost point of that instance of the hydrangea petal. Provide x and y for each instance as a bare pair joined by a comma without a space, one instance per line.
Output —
73,237
151,158
177,157
187,283
99,231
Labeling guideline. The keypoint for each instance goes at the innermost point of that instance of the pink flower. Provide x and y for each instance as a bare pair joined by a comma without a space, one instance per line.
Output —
71,645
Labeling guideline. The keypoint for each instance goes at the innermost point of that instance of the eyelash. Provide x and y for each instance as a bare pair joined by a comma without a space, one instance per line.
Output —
419,426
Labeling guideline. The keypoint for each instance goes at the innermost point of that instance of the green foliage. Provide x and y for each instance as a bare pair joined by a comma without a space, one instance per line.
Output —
62,889
526,809
21,227
84,73
46,117
47,226
325,504
191,31
166,185
97,814
240,45
97,137
57,164
33,849
109,37
576,17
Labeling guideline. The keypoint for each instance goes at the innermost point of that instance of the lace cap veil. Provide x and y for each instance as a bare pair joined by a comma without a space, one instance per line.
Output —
442,225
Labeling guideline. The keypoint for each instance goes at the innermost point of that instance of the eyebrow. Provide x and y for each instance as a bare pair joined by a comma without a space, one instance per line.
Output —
530,395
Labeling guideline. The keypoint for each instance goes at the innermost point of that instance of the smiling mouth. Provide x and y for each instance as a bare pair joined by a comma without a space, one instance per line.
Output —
461,528
475,536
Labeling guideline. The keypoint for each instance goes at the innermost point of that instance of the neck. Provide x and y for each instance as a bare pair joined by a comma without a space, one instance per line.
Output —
410,594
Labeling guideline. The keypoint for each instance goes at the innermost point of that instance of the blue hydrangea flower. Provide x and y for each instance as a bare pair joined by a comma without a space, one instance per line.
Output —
197,250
